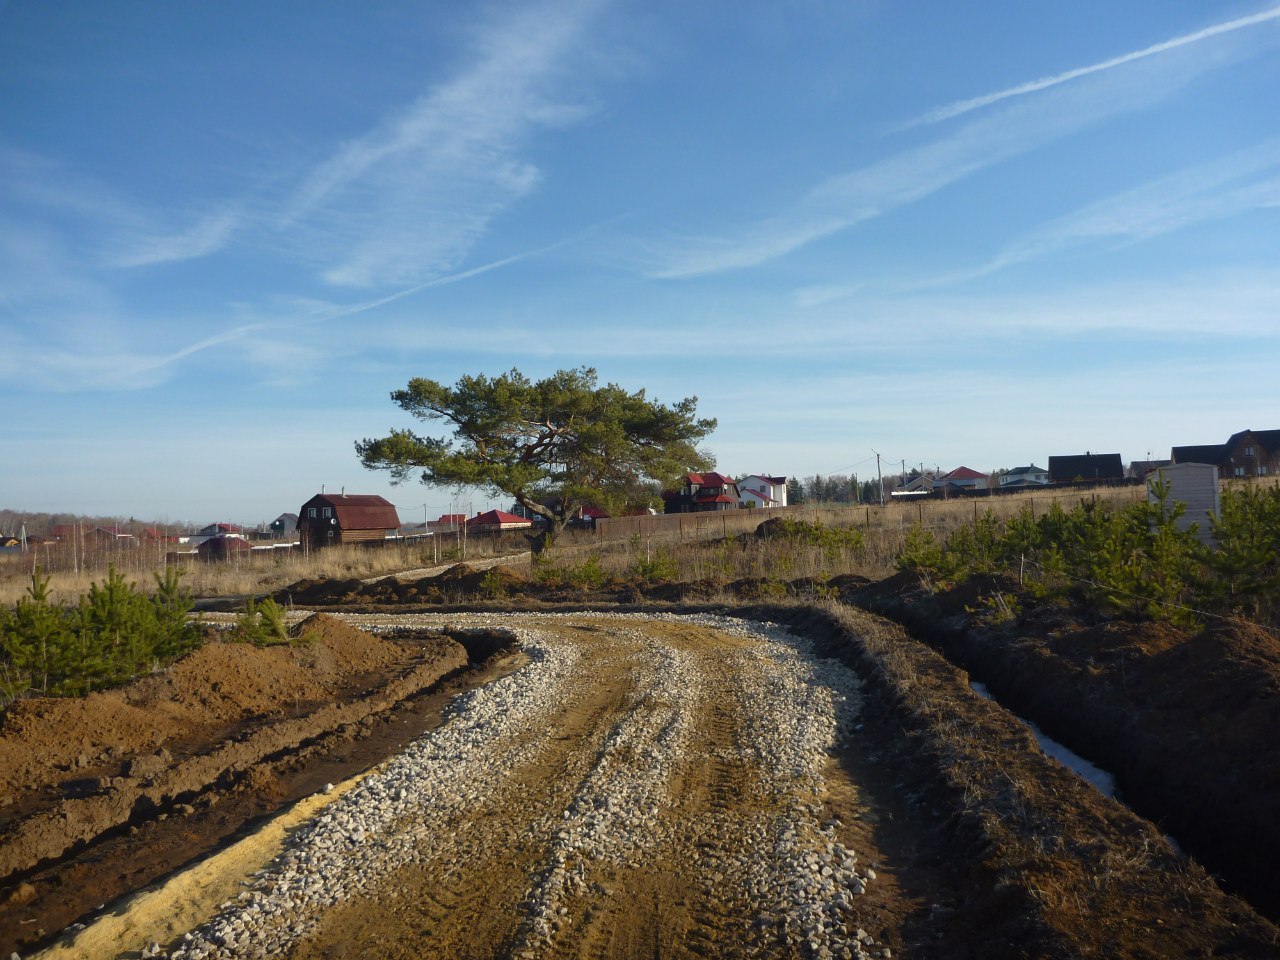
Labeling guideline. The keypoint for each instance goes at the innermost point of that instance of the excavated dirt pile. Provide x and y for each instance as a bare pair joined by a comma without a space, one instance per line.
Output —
462,584
458,583
46,740
1188,722
76,769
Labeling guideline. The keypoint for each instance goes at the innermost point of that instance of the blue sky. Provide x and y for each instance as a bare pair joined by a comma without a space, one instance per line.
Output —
977,234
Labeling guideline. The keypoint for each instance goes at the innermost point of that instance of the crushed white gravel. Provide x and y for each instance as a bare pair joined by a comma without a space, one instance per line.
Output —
799,882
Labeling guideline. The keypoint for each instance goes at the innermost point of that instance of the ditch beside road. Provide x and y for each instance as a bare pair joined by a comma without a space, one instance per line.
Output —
690,786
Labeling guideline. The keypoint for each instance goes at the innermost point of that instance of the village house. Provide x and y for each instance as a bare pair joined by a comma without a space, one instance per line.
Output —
1086,467
329,519
759,490
702,492
1140,469
283,525
584,516
222,547
497,521
1249,453
1028,476
961,480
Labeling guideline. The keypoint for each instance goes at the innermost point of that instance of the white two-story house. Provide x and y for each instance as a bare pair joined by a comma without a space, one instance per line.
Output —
762,491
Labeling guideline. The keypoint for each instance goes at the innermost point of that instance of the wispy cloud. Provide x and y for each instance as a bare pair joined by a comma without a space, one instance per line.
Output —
68,367
411,198
1015,129
208,235
871,191
403,202
108,228
1224,188
1243,304
961,107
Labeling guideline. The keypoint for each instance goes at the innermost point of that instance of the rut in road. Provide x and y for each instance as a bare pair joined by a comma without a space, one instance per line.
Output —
645,787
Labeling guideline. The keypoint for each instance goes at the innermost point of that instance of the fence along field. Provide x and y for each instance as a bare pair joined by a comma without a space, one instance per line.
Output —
72,568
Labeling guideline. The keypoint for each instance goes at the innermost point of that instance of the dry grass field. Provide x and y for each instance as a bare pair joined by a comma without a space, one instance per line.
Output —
695,552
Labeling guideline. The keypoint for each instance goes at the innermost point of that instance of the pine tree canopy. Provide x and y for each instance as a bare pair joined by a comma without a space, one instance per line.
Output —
554,445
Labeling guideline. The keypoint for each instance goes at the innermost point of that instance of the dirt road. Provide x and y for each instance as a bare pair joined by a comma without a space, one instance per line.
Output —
662,785
656,787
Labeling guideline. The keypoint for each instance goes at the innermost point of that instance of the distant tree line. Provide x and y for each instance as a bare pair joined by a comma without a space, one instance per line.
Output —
835,488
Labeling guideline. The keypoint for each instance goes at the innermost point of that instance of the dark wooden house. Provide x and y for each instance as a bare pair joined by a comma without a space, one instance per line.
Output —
1086,468
329,519
1249,453
224,546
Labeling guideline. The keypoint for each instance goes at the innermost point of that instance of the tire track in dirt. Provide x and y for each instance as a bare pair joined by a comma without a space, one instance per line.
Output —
465,900
645,787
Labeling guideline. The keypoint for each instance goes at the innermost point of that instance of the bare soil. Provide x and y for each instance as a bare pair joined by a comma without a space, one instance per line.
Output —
984,847
102,794
1188,722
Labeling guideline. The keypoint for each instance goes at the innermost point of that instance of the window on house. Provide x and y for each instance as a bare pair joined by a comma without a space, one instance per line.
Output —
1248,451
327,512
1262,469
311,513
1239,471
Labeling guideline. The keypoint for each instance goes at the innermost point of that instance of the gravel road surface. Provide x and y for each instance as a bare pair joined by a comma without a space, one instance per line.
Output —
644,787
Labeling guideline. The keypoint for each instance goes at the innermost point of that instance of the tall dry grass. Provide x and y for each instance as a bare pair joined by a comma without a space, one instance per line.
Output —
258,571
713,548
726,551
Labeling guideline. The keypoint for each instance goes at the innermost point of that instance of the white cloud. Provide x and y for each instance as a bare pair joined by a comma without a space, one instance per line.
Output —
208,235
410,198
961,107
913,174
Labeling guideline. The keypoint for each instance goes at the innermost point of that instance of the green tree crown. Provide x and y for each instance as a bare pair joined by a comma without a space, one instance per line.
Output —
554,445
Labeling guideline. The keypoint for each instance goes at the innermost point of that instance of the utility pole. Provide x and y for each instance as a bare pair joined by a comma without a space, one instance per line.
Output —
879,478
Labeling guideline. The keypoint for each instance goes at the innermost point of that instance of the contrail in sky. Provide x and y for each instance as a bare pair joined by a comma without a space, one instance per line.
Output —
964,106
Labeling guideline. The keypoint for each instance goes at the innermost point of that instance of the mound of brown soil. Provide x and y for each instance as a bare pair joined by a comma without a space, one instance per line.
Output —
76,770
45,739
321,592
458,583
495,580
459,571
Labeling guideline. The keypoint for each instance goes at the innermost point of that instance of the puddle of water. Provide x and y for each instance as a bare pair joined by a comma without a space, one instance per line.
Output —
1102,781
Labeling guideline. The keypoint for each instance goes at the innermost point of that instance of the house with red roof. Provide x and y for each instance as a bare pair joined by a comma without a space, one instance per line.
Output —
761,490
495,521
329,519
584,516
961,480
703,492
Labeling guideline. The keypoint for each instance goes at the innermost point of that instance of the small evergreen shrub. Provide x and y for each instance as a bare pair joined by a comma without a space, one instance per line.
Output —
114,634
